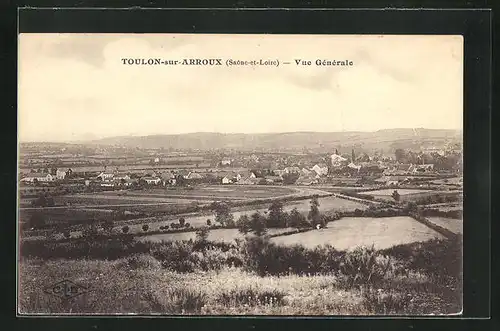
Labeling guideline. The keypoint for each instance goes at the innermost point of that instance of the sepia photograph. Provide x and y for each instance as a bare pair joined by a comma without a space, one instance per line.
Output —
240,174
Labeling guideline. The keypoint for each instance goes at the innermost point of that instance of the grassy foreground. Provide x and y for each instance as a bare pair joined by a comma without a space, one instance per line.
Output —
411,279
228,291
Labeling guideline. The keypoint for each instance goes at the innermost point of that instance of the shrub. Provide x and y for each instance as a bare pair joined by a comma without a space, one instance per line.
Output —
98,248
176,300
145,228
176,255
396,196
440,258
363,266
385,302
90,230
215,259
251,296
143,261
125,229
202,234
265,258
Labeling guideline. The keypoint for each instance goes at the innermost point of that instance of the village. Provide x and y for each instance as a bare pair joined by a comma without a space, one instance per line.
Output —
347,169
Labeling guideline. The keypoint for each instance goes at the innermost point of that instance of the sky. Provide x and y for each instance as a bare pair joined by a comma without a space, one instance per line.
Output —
75,86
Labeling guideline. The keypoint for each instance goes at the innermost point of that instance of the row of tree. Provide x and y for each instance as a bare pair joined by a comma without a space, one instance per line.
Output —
274,217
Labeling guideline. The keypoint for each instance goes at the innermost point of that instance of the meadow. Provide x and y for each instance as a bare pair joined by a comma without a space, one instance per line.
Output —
215,235
452,224
350,232
254,277
229,192
388,192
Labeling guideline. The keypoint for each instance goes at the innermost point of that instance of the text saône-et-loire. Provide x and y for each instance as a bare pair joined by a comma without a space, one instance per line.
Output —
231,62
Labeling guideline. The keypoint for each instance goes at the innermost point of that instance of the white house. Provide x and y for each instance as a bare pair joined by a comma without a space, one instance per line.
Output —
194,175
152,180
121,176
168,178
39,177
226,161
280,172
423,168
227,180
105,176
321,169
290,170
337,160
354,166
60,174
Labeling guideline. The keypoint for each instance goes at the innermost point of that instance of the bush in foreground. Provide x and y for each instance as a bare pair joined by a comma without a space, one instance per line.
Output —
363,266
176,301
251,296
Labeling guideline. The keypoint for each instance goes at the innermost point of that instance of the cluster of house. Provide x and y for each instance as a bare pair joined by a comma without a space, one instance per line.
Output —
303,175
58,174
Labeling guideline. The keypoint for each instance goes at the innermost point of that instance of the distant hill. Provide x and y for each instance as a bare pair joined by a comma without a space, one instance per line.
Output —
387,140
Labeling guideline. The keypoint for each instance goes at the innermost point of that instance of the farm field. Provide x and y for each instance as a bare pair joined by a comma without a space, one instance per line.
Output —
113,198
452,224
326,204
449,181
223,192
221,235
409,194
66,215
388,192
350,232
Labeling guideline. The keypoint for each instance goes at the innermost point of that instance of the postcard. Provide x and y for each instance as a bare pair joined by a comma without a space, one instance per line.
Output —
240,174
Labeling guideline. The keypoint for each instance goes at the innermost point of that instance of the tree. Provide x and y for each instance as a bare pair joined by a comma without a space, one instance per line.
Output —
400,155
276,216
243,224
182,221
223,214
314,214
209,222
353,156
91,230
125,229
411,207
187,225
296,219
202,234
395,195
258,224
108,226
145,228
